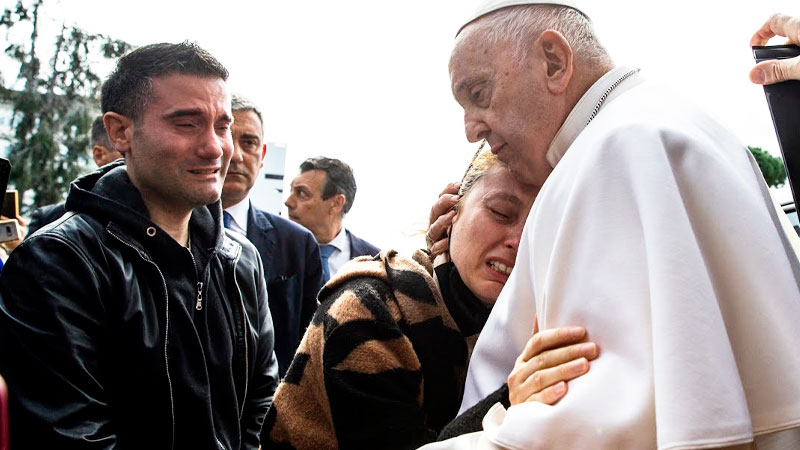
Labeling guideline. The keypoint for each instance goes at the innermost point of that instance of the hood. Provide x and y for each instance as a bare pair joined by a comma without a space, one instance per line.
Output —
108,195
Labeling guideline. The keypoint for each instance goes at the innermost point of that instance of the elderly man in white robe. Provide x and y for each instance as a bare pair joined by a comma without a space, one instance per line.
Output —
653,229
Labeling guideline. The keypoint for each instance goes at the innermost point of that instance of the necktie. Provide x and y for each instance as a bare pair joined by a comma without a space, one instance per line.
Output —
325,251
226,219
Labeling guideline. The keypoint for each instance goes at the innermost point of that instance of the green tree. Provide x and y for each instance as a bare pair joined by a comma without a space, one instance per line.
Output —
53,105
771,167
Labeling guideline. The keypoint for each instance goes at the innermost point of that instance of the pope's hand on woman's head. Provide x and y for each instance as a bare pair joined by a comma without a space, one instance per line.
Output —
774,71
441,218
550,359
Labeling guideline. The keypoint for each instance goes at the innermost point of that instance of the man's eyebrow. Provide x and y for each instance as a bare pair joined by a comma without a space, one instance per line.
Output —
250,136
180,113
195,112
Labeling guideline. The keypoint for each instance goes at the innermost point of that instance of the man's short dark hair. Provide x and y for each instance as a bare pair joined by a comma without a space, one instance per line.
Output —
99,136
129,88
339,180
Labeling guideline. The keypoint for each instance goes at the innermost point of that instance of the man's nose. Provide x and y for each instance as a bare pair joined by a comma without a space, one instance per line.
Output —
212,145
236,156
475,129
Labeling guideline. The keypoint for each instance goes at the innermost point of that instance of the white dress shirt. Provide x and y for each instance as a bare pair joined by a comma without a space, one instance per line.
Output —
239,213
341,252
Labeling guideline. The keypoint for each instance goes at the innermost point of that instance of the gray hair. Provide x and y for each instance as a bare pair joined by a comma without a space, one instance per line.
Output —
523,24
241,103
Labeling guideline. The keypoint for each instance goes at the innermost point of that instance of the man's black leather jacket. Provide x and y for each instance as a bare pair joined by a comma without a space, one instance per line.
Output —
113,335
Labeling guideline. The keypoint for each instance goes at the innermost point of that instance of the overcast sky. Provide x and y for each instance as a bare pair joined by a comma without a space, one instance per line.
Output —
367,82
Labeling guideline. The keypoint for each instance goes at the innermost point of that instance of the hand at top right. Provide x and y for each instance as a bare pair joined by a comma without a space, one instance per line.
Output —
774,71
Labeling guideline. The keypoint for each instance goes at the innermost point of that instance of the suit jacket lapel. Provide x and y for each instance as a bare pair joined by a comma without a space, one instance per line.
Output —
259,231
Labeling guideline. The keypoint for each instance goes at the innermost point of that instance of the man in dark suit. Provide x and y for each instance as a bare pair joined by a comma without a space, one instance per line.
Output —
321,195
102,152
292,263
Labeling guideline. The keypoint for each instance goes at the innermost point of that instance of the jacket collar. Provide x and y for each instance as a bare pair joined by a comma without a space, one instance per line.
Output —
602,92
109,196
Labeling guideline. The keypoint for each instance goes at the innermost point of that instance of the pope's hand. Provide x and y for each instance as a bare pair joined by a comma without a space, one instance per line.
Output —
774,71
550,359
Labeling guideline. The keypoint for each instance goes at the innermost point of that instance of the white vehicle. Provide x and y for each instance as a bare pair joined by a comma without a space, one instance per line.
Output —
791,213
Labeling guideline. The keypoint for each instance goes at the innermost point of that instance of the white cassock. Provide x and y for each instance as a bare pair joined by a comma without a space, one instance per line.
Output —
655,231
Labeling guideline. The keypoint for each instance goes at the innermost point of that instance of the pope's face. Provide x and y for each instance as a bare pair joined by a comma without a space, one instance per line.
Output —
505,101
181,145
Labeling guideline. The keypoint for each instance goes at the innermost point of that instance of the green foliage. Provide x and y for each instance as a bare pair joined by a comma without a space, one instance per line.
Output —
53,108
771,167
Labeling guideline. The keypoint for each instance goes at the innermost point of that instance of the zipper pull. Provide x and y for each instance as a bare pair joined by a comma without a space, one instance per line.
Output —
199,305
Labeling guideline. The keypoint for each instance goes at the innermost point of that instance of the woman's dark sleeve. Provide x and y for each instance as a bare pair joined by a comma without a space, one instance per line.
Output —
470,421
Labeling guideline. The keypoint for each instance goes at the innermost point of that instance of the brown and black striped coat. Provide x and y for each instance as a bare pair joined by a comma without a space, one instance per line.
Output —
381,366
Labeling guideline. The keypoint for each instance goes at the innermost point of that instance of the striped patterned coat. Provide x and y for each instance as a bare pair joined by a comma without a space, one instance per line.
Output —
381,366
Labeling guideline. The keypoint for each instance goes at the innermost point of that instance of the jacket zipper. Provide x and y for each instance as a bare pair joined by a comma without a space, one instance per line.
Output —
244,332
198,305
166,330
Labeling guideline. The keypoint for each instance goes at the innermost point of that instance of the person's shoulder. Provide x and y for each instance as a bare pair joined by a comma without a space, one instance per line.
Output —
387,269
649,121
72,232
55,210
236,246
284,225
361,246
45,215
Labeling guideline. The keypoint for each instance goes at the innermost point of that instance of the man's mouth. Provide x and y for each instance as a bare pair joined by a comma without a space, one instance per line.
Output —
496,149
500,267
204,171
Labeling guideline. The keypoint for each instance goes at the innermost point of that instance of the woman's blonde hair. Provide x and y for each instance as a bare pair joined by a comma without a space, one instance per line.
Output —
481,164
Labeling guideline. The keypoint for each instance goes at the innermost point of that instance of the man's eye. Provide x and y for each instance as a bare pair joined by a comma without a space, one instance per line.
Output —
476,95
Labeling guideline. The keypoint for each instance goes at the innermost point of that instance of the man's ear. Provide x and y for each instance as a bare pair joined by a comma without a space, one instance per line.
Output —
263,154
119,129
337,203
99,155
558,59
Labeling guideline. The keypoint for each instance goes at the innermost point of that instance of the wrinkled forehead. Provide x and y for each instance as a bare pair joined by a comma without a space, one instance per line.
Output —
474,57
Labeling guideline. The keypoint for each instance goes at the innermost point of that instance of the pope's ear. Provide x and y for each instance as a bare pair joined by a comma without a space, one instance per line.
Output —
119,129
558,58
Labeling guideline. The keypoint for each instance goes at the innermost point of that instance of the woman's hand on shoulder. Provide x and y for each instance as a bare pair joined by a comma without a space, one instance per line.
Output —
550,359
